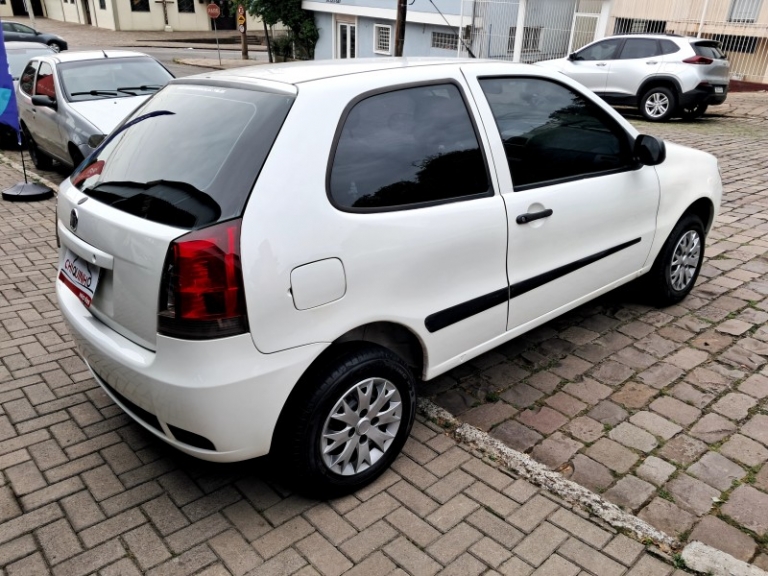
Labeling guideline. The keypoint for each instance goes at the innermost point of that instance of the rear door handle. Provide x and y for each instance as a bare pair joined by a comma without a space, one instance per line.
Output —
652,62
531,216
600,64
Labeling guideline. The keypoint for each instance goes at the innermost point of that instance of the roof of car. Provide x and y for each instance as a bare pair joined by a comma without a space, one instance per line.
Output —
79,55
298,72
12,45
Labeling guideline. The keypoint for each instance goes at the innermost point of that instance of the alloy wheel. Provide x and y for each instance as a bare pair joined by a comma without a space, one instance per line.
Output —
685,260
657,105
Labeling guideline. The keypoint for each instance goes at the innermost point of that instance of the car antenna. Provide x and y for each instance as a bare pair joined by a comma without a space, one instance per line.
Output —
105,54
458,37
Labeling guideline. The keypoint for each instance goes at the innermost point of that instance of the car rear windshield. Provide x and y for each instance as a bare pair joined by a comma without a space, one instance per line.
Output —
19,57
189,157
709,50
112,78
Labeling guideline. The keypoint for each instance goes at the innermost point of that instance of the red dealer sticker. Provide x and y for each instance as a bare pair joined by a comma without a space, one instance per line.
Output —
92,170
79,276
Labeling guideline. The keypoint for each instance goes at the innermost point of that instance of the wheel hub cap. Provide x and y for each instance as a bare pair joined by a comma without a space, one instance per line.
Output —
685,260
361,426
657,105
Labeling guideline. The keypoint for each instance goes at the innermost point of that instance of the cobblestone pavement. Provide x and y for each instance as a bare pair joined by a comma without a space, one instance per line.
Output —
84,490
665,412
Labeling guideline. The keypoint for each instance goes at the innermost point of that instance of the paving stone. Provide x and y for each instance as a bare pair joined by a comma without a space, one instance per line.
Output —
147,548
690,394
757,428
655,470
453,543
733,327
677,411
490,552
58,541
413,527
688,358
521,395
749,507
532,513
456,401
516,436
372,538
588,390
557,566
495,528
623,549
761,480
452,512
590,559
712,428
521,491
581,528
555,450
711,341
657,345
491,499
486,416
633,437
609,413
585,428
591,474
544,420
683,450
320,553
756,386
634,395
667,517
571,367
612,455
734,405
441,491
544,381
611,373
660,375
411,558
718,534
693,495
630,492
566,404
649,566
540,544
655,424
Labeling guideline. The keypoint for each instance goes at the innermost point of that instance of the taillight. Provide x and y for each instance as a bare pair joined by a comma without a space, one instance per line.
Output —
698,60
202,295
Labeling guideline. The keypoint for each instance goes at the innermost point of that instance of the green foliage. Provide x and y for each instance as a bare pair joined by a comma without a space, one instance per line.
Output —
299,21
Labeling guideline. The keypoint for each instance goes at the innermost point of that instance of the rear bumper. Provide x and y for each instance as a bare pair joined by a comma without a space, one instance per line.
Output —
704,94
224,391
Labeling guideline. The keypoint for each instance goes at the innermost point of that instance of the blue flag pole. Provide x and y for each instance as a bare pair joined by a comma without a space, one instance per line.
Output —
9,115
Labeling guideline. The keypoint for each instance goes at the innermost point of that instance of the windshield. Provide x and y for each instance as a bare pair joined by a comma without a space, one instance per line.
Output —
112,78
191,157
18,59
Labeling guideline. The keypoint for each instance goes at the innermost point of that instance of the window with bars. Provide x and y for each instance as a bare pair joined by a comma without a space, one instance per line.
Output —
531,38
744,11
382,39
139,5
186,5
744,44
445,40
638,26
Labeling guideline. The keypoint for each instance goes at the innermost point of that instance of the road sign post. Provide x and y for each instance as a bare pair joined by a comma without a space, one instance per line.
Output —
214,12
241,26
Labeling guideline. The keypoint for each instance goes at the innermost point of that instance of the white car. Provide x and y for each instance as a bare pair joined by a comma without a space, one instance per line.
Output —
268,259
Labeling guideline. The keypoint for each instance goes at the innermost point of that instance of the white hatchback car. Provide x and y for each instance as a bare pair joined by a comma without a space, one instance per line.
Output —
267,259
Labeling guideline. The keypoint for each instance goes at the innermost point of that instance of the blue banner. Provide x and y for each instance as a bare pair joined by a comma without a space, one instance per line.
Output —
9,113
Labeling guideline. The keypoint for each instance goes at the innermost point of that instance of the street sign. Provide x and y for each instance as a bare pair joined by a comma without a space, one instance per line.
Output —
241,29
240,19
241,9
213,11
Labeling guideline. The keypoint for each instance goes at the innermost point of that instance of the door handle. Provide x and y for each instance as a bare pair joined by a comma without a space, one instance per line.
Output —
531,216
651,62
600,64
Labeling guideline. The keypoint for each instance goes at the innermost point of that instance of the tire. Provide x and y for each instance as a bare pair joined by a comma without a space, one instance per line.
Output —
39,158
327,403
675,270
77,157
693,112
658,104
55,46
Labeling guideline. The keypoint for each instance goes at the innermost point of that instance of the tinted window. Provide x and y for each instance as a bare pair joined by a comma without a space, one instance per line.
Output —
551,133
7,27
112,78
407,147
708,51
605,50
44,84
639,48
669,47
23,29
27,80
192,156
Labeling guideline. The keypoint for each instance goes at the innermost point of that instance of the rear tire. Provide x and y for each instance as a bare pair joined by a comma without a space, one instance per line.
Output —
77,157
347,421
693,112
55,46
658,104
677,266
39,158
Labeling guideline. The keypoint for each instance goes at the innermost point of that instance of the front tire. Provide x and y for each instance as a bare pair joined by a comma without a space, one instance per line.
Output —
347,422
55,46
677,266
658,104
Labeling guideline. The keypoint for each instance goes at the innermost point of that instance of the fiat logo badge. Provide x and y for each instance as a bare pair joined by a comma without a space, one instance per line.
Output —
73,219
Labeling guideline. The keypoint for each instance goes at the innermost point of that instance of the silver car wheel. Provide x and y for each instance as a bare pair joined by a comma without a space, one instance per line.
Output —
361,426
657,105
685,260
55,47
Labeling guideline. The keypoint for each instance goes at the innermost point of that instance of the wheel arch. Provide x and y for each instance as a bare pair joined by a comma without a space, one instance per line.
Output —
656,81
704,209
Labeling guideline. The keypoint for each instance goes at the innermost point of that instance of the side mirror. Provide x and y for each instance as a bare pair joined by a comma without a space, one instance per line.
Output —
572,56
650,150
95,140
46,101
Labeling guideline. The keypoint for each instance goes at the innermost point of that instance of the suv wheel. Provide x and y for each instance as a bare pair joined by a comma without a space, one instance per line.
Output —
348,423
694,111
657,104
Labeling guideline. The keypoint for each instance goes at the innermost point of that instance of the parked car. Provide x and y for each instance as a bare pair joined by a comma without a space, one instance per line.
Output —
19,53
14,31
235,305
663,75
66,99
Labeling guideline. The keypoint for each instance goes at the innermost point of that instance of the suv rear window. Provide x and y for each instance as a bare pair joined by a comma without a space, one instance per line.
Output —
191,156
709,50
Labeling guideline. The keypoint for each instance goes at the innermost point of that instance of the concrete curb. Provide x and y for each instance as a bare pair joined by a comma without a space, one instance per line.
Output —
697,556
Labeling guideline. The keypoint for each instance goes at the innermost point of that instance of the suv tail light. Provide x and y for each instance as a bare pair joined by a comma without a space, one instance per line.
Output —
698,60
202,295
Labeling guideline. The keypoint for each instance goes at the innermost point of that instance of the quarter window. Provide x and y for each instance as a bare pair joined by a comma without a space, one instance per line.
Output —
405,148
551,133
639,48
605,50
44,84
27,80
669,47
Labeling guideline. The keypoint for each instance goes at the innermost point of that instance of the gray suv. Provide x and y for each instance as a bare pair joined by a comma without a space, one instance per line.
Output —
663,75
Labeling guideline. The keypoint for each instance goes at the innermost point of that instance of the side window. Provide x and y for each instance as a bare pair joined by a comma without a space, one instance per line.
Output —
669,47
605,50
640,48
551,133
7,27
44,85
407,147
27,80
23,29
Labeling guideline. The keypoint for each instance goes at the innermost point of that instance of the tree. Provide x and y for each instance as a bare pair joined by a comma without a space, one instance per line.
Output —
299,21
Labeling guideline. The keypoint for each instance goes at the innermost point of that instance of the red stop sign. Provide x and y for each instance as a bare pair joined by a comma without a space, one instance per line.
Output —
213,10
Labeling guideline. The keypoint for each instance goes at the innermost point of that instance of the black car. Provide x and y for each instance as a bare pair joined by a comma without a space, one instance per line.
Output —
13,31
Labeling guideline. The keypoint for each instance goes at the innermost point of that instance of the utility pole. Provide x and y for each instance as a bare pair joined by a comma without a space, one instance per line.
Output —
402,8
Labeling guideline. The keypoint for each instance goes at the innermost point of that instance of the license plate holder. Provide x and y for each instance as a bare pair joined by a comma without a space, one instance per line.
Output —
719,89
80,276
